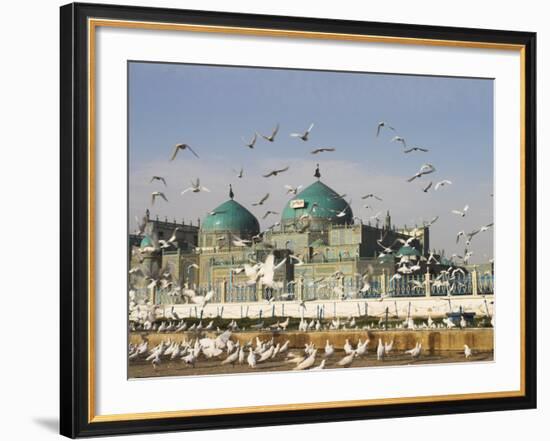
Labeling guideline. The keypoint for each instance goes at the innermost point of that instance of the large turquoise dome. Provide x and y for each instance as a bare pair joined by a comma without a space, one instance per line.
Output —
321,203
231,216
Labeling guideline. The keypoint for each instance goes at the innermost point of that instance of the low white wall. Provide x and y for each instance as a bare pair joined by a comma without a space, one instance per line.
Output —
419,307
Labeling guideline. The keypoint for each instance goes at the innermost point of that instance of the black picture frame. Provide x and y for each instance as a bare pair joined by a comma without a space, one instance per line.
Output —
74,273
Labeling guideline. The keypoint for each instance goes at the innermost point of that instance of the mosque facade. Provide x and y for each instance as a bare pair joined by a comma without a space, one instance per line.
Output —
316,238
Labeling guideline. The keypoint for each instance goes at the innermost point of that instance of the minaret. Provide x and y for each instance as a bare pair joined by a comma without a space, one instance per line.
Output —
231,194
388,220
317,173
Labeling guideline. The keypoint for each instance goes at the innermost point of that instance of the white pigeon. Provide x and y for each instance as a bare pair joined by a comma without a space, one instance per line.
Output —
250,144
425,169
176,352
384,125
239,173
261,201
442,183
292,190
303,136
348,349
276,351
232,358
157,194
190,359
308,362
230,346
133,356
222,341
271,138
399,139
415,352
267,270
347,360
467,351
283,326
156,361
416,149
238,242
486,227
196,187
329,349
293,358
267,354
199,300
396,276
380,350
211,352
158,178
461,213
251,359
362,348
179,147
284,347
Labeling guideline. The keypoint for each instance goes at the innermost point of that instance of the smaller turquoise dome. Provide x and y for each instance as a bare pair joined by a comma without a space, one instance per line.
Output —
231,216
145,242
407,251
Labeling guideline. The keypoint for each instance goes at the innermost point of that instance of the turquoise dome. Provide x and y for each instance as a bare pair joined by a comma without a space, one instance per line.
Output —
408,251
320,202
145,242
231,216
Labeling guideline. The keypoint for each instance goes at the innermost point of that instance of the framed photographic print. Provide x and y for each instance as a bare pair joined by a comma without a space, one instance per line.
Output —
275,220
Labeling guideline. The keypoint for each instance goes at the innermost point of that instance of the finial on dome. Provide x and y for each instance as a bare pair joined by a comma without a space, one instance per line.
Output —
231,194
317,173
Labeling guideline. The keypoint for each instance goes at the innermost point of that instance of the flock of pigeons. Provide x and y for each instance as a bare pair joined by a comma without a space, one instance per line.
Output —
228,351
425,169
410,264
449,279
196,186
163,278
256,352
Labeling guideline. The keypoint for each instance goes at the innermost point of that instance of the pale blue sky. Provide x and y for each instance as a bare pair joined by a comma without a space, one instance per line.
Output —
212,107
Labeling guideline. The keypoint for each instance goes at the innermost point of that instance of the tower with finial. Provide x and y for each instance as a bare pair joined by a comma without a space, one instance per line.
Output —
231,194
317,173
388,220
